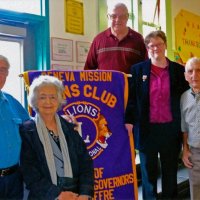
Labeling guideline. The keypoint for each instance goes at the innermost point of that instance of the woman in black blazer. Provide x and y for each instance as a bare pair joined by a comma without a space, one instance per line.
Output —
54,159
153,111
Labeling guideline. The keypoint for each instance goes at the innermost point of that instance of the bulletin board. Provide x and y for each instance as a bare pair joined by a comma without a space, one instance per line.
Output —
74,18
187,35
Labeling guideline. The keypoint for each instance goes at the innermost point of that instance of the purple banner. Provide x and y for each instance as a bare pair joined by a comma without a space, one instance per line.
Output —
97,99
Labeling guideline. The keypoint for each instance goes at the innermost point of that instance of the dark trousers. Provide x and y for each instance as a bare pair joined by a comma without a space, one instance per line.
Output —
163,141
11,187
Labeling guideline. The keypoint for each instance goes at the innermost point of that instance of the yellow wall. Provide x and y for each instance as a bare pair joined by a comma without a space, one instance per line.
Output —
189,5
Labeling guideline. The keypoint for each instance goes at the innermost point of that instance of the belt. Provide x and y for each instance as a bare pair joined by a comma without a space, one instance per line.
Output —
9,170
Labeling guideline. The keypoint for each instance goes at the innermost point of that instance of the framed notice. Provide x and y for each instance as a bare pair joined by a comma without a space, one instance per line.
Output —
61,67
82,49
74,17
62,49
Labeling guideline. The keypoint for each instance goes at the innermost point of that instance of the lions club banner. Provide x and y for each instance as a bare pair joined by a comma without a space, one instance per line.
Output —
97,99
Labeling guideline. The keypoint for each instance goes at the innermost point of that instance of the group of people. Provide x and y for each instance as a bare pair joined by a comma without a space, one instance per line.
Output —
53,158
153,112
161,112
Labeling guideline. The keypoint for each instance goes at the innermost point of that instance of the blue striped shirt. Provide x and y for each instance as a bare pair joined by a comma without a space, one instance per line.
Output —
12,114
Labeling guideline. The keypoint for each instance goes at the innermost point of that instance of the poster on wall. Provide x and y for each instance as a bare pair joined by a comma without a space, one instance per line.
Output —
82,49
74,17
187,36
61,49
97,99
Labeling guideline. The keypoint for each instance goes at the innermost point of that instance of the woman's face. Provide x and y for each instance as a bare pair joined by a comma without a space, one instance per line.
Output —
156,48
47,101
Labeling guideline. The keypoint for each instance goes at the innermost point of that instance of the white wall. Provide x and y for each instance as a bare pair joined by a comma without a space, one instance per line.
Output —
57,25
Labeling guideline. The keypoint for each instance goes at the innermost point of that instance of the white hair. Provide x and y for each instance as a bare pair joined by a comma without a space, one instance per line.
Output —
191,61
118,5
45,80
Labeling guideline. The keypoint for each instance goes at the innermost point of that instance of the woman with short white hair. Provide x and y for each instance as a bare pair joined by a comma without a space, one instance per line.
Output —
54,158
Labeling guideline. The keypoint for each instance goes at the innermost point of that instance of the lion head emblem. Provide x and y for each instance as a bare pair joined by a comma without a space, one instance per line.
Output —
103,132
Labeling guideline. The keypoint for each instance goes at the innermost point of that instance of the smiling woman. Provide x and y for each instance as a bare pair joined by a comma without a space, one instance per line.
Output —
56,162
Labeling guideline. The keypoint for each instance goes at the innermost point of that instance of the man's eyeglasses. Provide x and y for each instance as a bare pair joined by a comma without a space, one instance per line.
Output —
3,70
120,17
152,46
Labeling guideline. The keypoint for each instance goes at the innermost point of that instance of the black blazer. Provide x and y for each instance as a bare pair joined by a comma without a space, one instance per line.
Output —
34,166
137,111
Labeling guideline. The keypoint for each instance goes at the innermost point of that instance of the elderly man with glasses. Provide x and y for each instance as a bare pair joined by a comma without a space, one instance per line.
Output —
118,47
12,114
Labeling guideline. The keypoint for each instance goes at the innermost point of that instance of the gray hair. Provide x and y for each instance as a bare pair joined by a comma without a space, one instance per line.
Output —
45,80
192,61
155,34
5,60
118,5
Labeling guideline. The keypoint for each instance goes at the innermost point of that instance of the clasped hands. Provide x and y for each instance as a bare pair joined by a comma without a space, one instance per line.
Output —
71,196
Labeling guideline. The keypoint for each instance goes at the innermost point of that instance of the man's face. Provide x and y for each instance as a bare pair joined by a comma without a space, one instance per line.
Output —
192,75
3,73
118,18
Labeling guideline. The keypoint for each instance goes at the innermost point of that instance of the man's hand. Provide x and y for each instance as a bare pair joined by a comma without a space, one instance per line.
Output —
71,119
68,196
186,158
83,197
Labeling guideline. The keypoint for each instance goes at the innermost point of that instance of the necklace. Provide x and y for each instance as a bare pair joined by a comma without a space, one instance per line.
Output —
55,137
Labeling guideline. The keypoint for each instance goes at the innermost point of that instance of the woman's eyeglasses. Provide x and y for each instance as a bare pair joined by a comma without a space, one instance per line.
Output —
152,46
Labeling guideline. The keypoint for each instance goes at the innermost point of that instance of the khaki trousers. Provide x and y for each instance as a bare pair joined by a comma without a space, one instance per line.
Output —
194,174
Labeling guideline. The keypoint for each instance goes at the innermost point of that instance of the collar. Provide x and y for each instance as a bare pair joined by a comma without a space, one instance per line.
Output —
166,67
2,96
194,94
109,33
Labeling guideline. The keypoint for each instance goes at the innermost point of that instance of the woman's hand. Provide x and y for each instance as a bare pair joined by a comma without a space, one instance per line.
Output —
83,197
129,128
68,196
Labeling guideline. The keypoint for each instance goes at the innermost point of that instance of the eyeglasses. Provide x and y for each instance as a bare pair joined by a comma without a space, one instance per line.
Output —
152,46
3,70
120,17
51,97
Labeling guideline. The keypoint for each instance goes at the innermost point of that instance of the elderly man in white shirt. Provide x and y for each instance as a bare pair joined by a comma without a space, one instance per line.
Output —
190,124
